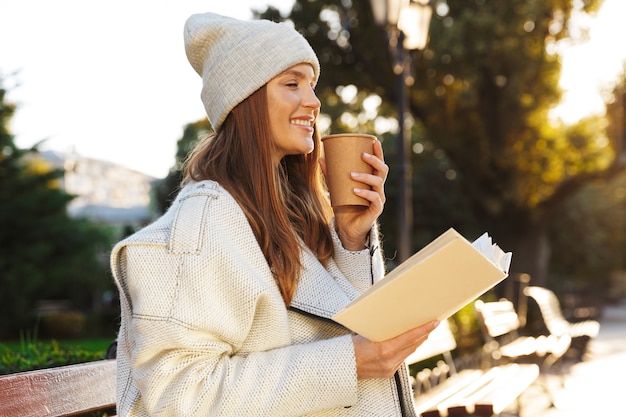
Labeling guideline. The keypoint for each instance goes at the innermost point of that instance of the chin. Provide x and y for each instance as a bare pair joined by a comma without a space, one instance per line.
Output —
310,146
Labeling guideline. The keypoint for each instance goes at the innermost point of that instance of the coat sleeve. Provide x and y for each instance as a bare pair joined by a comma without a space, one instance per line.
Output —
205,377
362,268
203,333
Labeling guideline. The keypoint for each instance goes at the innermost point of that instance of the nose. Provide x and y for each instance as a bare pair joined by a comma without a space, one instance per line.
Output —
310,99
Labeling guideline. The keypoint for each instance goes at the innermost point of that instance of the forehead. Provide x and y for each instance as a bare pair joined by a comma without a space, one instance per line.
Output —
302,70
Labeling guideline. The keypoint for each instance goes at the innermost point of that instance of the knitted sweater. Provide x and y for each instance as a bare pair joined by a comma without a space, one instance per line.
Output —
205,332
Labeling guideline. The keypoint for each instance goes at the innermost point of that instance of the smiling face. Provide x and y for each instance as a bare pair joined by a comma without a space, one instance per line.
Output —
293,109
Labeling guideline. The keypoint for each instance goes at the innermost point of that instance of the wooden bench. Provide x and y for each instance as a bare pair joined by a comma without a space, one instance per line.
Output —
503,341
580,332
63,391
444,391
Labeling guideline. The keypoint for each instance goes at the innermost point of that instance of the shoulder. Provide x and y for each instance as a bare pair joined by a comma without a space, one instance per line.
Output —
186,221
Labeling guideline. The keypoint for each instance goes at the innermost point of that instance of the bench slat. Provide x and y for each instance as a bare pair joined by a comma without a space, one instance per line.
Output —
62,391
487,395
464,394
553,318
429,400
486,391
506,391
499,320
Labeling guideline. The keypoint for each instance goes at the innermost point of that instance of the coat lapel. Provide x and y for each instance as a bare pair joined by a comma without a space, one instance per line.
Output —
321,292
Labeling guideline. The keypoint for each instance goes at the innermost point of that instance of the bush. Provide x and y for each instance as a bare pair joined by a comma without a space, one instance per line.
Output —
36,355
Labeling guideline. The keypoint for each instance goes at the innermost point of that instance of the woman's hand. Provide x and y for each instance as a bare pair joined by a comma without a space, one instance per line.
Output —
354,225
382,359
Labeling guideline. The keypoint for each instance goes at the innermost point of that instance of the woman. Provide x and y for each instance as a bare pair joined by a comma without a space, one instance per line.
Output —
227,299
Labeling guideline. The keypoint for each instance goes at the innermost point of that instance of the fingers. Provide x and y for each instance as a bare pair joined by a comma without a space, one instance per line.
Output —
380,168
378,150
406,343
419,331
378,163
376,199
382,359
414,337
376,180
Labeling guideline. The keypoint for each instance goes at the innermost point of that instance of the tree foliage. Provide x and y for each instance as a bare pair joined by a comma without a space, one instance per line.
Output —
486,155
591,234
167,188
482,93
44,254
591,231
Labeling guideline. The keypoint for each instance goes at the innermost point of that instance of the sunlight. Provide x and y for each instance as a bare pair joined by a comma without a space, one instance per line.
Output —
591,69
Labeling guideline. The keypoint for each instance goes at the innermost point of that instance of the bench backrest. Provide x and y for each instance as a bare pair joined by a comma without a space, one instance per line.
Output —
497,318
62,391
550,309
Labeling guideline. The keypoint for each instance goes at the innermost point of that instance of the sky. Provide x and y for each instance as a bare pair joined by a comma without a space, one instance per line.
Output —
591,68
108,79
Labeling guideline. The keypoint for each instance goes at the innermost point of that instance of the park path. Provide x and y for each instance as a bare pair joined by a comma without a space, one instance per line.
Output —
593,387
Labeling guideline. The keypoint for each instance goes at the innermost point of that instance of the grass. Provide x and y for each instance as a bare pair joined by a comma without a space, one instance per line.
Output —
28,355
90,345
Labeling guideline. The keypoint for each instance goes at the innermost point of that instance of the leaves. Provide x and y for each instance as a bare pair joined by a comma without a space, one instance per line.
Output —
486,154
43,252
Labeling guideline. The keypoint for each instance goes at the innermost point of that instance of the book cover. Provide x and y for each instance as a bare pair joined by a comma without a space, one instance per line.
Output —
433,284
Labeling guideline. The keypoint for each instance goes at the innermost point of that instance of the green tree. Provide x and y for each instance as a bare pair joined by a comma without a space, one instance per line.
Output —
166,189
591,236
591,232
44,254
483,90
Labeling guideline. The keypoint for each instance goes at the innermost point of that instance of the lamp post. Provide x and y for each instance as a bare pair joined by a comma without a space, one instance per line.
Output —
407,23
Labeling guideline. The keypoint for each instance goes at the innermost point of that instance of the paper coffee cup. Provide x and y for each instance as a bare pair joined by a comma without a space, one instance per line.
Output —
343,153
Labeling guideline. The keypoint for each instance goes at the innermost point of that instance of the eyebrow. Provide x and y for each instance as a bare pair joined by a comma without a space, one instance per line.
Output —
298,74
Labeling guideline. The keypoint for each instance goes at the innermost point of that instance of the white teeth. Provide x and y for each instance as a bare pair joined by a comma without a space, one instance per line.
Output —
302,122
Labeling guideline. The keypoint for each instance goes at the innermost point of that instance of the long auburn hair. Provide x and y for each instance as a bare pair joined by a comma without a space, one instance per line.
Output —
285,205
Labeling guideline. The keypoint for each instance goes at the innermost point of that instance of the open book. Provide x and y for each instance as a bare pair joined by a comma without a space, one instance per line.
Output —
433,284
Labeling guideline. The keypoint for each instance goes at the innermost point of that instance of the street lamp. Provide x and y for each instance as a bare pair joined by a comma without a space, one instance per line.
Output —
407,23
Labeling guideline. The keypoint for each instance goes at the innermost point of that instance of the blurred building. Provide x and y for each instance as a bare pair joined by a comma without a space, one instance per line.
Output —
105,192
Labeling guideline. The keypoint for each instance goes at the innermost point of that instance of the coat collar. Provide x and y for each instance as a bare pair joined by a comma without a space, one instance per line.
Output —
321,292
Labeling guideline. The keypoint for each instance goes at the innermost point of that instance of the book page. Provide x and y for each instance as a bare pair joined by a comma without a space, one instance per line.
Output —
493,252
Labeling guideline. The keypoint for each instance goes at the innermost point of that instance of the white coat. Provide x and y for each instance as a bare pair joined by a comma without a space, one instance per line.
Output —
205,332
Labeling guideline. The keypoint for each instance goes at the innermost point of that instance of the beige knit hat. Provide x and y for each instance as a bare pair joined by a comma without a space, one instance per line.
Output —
236,57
